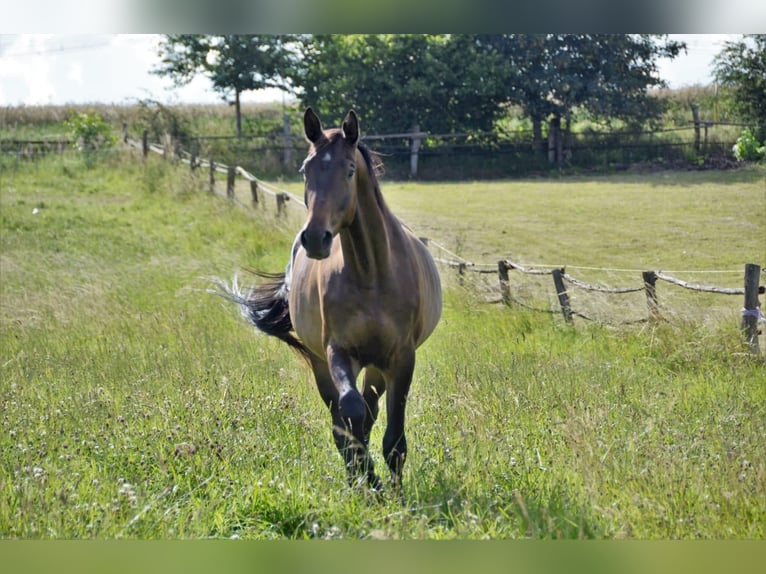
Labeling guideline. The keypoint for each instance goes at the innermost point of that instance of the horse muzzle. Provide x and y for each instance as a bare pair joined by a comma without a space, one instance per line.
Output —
317,243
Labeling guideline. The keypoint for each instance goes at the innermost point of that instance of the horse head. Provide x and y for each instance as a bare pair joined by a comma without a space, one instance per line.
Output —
330,183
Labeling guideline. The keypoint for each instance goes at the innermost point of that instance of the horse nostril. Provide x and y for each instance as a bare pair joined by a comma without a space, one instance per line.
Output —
303,239
327,239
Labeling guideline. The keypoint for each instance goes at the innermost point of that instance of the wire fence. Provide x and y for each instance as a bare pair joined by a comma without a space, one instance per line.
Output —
566,290
479,155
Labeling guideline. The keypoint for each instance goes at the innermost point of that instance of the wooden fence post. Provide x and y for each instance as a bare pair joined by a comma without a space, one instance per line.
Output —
281,201
505,286
212,176
561,291
254,190
752,311
177,148
555,145
231,174
414,147
696,118
194,154
461,267
287,155
650,286
125,132
145,143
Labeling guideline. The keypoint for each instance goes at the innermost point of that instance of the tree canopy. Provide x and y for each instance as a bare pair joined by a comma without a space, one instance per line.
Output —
741,68
441,83
233,63
607,74
397,81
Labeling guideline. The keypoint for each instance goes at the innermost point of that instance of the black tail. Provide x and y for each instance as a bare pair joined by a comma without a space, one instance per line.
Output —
265,306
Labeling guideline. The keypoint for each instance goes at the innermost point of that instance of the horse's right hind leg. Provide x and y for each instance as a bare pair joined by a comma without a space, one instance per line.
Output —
374,387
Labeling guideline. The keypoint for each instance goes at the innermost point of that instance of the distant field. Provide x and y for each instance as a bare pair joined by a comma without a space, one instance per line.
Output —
135,405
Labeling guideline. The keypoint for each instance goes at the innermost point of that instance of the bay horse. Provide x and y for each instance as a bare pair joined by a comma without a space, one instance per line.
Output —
361,292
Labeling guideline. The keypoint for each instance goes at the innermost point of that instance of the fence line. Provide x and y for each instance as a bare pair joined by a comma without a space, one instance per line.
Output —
751,312
515,150
256,185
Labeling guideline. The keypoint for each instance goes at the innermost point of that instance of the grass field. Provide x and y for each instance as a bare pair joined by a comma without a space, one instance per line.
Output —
135,405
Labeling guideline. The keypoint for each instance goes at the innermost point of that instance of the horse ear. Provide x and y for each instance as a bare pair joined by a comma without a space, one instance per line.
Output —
312,127
351,127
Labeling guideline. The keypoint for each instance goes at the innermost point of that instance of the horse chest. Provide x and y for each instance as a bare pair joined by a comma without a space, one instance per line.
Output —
371,323
368,314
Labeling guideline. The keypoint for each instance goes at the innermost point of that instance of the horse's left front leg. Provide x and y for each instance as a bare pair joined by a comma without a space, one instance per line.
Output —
398,379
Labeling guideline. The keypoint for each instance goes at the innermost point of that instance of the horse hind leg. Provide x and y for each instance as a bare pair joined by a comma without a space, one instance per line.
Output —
394,439
374,387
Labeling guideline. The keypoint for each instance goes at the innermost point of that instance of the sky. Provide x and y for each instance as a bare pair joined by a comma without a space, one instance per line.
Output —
41,69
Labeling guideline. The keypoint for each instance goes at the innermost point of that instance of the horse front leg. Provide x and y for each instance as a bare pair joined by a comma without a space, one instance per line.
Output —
398,380
352,411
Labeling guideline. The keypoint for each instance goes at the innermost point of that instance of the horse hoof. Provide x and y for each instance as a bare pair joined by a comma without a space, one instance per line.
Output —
374,482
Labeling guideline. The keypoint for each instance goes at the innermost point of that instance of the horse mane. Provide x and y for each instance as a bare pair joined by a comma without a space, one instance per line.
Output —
372,159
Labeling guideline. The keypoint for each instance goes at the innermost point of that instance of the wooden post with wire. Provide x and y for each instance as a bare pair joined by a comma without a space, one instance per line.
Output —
194,153
231,174
751,314
212,176
145,143
696,119
650,286
282,199
505,287
461,267
414,148
561,291
254,191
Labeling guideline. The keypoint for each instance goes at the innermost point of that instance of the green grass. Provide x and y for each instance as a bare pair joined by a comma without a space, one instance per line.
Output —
135,405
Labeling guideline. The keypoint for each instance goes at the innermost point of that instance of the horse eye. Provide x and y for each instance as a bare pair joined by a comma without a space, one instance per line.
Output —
351,171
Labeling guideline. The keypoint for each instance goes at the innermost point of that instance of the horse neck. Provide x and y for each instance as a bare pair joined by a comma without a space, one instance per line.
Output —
365,241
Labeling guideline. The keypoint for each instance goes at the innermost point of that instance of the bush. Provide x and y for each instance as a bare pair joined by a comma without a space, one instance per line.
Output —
748,148
90,131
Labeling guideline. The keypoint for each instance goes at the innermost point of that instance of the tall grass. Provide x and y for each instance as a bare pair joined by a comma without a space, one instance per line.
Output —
135,405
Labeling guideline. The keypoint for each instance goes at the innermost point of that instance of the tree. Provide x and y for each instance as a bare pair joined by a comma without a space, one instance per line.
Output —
233,63
607,74
441,83
741,67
